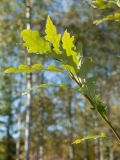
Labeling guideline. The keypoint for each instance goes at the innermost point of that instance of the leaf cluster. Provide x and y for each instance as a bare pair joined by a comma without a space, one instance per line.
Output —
61,48
108,5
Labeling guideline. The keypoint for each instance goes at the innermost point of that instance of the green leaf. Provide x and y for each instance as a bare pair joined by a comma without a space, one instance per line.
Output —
35,43
69,46
33,68
101,4
52,36
21,68
63,85
113,17
24,68
53,69
10,70
89,137
37,66
69,68
86,66
100,105
43,86
65,60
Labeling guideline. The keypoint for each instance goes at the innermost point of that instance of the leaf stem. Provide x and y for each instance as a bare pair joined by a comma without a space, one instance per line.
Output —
101,115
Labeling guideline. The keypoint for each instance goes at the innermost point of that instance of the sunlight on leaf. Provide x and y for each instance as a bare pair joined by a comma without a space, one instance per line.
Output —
114,17
89,137
69,46
33,68
69,68
52,36
101,4
10,70
35,43
53,69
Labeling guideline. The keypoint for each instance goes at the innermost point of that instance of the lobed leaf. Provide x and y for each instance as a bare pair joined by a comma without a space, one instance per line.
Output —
69,46
33,68
52,36
35,43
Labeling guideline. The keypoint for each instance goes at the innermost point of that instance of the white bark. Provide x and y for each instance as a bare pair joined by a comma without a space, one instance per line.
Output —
41,153
101,149
28,98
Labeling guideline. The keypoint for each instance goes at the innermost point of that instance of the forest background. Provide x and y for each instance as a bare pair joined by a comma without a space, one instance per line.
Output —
58,115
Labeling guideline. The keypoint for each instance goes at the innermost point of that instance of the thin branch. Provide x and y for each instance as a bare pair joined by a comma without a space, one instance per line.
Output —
105,119
101,115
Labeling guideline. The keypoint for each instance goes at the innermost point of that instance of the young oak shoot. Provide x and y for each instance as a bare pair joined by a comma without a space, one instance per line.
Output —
62,48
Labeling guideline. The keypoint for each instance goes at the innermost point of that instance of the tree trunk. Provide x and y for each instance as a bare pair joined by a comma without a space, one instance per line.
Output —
71,155
85,149
101,149
28,98
18,140
41,134
41,152
35,156
96,148
70,114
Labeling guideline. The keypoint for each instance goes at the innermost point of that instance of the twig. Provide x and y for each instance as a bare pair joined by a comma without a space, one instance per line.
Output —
105,120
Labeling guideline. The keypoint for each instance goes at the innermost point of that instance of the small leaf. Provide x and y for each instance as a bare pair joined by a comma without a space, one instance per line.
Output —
52,36
69,46
33,68
100,105
34,42
53,69
89,137
63,85
37,66
69,68
112,17
86,66
101,4
10,70
23,68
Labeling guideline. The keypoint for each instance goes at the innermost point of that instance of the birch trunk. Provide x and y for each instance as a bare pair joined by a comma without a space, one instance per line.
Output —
41,134
28,98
